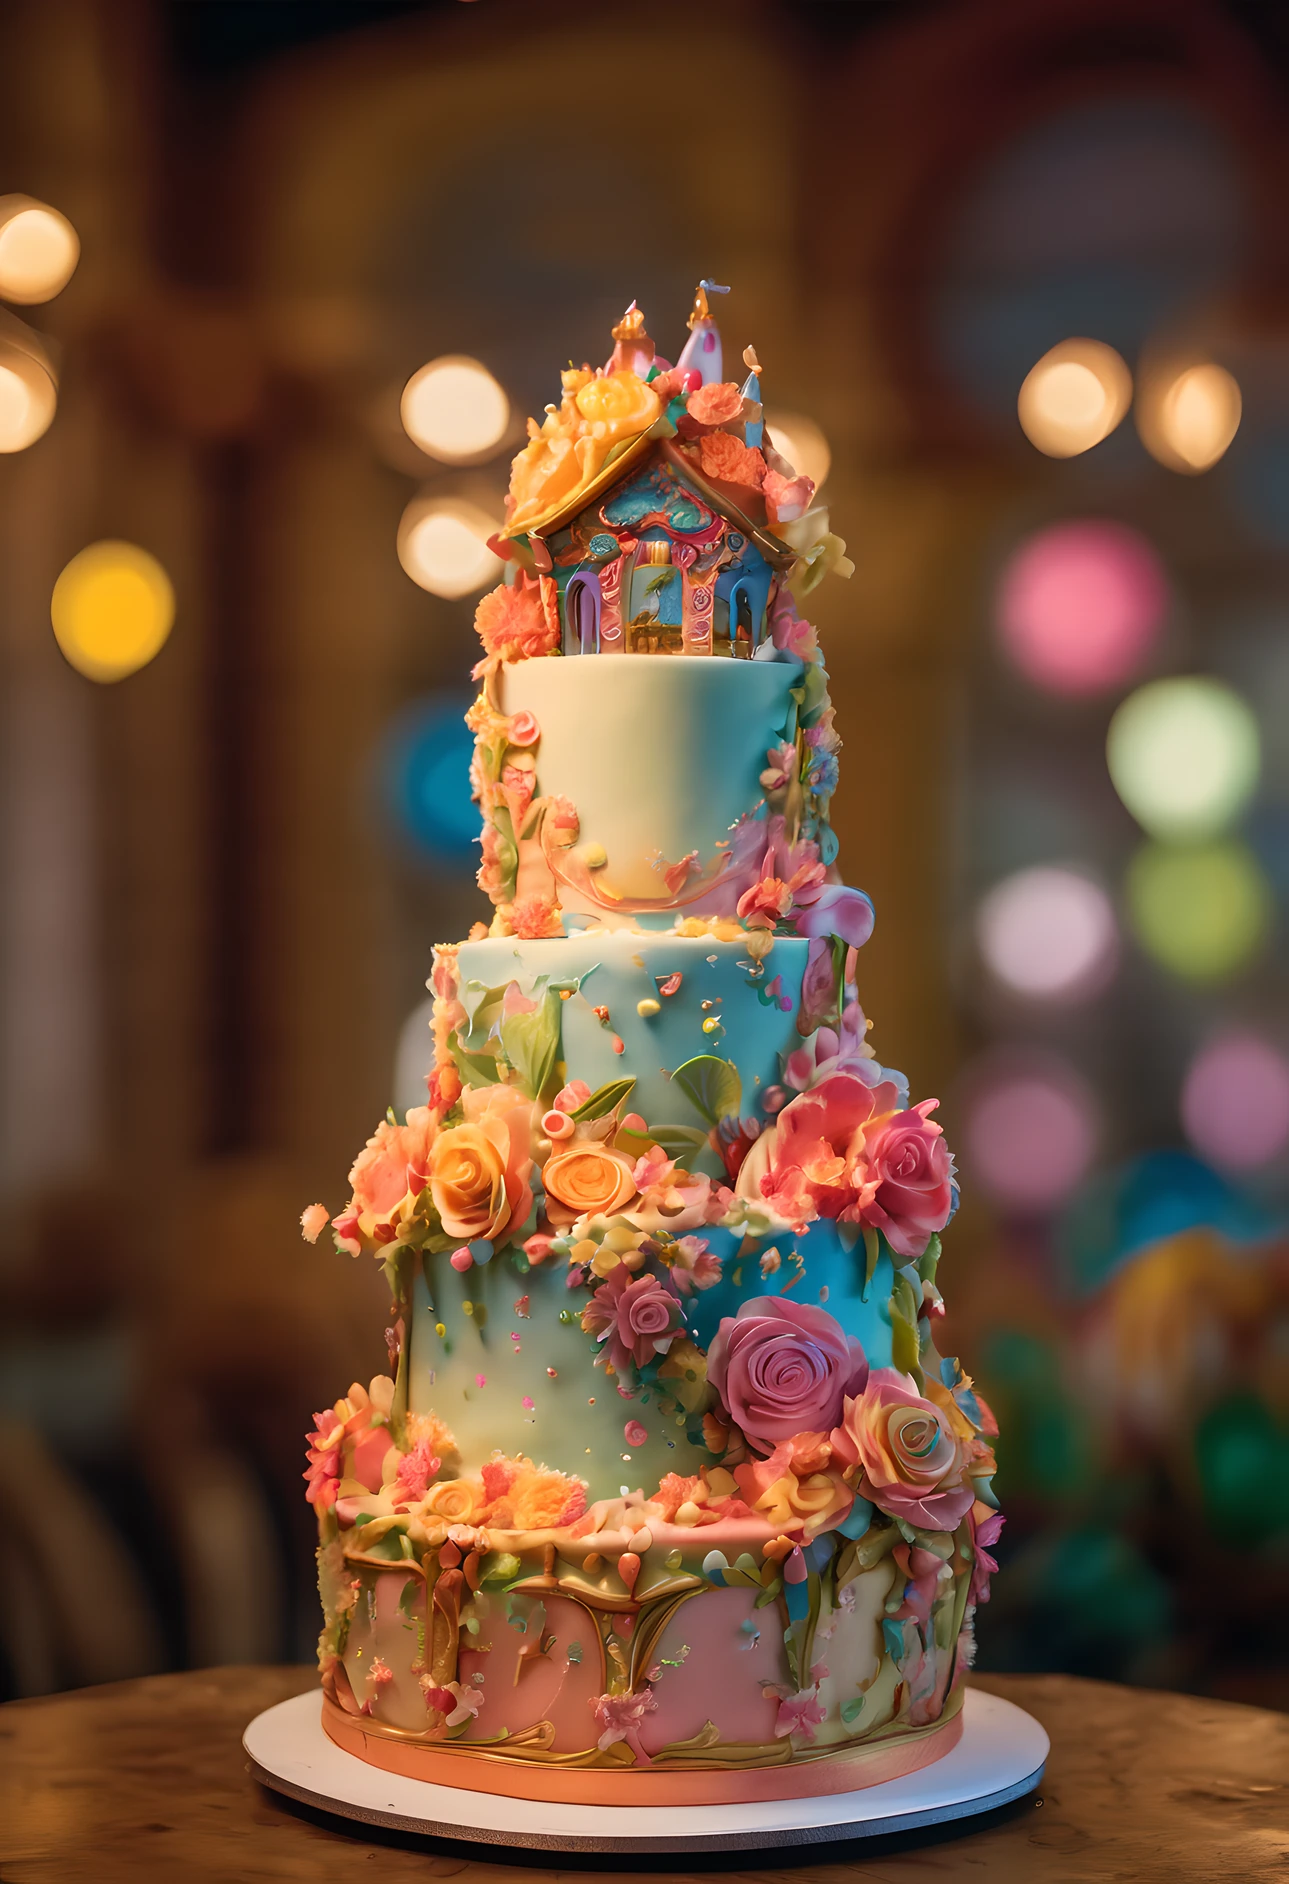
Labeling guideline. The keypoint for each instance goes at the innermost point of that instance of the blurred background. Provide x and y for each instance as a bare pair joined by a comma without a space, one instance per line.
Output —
1019,277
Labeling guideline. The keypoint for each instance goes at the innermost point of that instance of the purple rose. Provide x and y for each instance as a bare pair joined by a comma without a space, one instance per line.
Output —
633,1319
784,1368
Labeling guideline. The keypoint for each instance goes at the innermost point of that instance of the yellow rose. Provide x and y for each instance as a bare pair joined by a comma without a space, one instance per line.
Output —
456,1500
588,1179
621,402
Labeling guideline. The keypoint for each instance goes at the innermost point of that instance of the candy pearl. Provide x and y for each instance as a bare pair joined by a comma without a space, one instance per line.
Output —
557,1124
647,1009
461,1259
634,1433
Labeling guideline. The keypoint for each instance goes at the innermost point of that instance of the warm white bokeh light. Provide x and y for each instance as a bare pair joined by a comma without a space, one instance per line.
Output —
443,546
1184,755
1074,397
112,610
1048,933
39,251
455,410
28,397
802,443
1190,423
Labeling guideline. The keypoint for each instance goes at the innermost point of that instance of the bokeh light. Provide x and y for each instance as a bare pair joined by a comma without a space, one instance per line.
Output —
1074,397
1235,1102
1184,755
28,393
1189,423
802,443
425,771
112,609
443,546
1031,1133
1048,933
1080,606
454,409
39,250
1201,911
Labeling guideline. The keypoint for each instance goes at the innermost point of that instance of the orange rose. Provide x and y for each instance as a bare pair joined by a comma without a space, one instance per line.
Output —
587,1179
456,1500
802,1506
479,1170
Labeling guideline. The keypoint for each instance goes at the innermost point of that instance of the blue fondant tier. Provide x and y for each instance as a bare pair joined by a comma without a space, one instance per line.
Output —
488,1376
619,969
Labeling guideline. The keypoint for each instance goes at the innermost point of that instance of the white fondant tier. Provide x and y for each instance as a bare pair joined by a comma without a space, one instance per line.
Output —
660,755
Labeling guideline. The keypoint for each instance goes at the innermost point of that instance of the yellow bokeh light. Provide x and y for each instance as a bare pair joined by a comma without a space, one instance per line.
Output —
802,443
28,393
455,410
1189,423
112,609
443,546
1074,397
39,250
1202,911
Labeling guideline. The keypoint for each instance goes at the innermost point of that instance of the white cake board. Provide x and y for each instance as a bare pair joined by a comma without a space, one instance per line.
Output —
998,1759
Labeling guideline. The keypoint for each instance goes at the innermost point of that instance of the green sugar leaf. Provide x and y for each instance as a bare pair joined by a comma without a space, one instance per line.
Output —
605,1099
531,1043
476,1069
712,1086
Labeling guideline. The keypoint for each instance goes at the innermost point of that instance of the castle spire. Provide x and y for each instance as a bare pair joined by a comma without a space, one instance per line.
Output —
753,429
633,351
701,358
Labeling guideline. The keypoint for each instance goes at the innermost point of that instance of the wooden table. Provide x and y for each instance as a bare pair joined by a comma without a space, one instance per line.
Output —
147,1779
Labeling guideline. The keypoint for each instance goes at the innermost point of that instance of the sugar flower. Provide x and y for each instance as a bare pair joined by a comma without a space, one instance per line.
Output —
783,1367
729,461
479,1170
620,1717
901,1453
314,1221
799,1714
512,623
633,1319
392,1166
536,917
584,1176
715,404
455,1701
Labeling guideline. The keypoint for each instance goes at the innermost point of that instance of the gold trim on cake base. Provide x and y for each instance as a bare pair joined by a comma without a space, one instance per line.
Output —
779,1772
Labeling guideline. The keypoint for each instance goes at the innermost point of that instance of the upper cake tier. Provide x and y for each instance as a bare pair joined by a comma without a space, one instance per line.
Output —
650,514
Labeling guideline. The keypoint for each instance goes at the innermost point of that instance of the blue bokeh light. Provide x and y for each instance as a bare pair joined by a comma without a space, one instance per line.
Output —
425,777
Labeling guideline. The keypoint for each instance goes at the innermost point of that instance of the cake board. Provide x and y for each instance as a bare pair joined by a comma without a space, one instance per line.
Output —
999,1758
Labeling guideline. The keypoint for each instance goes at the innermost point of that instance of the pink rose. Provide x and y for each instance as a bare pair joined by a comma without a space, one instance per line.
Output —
523,729
782,1368
902,1452
786,499
802,1165
632,1319
907,1185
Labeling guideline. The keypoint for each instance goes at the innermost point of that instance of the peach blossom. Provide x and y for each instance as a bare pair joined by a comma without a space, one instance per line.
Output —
729,461
715,404
512,624
392,1165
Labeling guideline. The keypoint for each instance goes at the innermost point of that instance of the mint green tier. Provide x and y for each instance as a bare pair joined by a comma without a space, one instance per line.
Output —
561,1428
618,969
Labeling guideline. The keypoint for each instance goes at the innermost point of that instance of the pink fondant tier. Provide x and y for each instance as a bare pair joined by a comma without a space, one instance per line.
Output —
669,1495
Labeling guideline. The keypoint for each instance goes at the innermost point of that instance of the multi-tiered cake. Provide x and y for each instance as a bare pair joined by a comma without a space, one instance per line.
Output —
669,1495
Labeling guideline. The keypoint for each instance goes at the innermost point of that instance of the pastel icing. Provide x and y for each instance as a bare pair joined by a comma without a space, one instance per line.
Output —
669,1494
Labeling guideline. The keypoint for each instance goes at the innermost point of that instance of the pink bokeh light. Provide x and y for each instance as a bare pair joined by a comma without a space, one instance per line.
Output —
1080,606
1235,1102
1031,1135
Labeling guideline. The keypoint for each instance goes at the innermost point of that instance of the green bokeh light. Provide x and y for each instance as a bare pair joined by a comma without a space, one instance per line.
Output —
1202,910
1184,756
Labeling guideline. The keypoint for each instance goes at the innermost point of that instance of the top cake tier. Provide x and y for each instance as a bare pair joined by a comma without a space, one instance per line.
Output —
651,515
